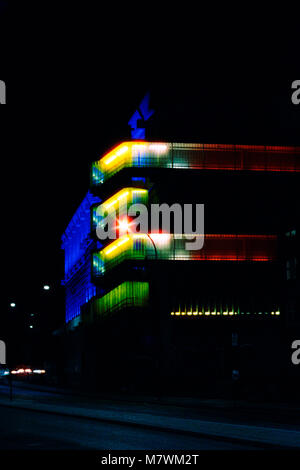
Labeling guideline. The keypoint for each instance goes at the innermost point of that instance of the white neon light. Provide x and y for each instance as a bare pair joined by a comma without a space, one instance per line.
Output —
158,148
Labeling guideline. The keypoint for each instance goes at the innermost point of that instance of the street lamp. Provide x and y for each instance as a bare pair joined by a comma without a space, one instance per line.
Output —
46,287
124,227
13,305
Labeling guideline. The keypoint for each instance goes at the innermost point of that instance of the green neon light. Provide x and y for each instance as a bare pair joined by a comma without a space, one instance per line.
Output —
127,294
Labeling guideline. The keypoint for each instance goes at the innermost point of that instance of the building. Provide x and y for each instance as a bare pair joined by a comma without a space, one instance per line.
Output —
145,313
77,244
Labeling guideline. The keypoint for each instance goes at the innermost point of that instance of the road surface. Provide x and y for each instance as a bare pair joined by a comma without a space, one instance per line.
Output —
20,429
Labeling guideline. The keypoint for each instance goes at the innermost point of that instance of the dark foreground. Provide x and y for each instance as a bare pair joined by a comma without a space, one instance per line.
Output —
20,429
44,418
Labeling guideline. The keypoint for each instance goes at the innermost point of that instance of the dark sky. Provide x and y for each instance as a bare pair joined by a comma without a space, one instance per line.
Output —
74,77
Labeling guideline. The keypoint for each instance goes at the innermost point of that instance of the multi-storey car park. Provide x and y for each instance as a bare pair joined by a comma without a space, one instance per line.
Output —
143,312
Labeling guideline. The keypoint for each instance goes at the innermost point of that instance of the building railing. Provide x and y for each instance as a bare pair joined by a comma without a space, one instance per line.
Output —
217,247
142,154
128,294
117,204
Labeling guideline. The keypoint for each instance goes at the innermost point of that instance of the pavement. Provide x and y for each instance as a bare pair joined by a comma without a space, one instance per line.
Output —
171,418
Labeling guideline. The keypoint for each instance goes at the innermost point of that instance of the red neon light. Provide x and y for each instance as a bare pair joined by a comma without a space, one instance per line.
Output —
230,247
221,257
230,157
237,236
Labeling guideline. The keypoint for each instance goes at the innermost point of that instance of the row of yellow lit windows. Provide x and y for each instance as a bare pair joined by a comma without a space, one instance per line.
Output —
223,313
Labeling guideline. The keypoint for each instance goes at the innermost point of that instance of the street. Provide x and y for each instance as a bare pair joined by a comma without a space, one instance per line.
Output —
31,430
41,417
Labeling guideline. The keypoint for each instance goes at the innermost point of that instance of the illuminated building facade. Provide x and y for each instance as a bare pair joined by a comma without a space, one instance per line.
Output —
77,244
153,310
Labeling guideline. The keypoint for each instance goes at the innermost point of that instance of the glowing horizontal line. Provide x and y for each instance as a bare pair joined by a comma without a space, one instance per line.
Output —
217,254
116,244
117,154
111,159
107,206
121,195
121,151
224,313
139,235
123,241
224,236
220,147
236,157
110,250
139,146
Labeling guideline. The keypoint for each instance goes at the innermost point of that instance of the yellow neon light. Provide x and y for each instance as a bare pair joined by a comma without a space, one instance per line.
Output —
139,235
123,241
116,154
110,250
116,244
124,149
114,199
121,151
124,193
107,206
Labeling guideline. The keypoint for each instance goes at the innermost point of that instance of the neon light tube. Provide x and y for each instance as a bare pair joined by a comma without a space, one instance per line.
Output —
128,294
227,248
196,156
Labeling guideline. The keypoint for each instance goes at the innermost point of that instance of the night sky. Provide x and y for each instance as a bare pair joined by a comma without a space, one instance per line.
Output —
74,78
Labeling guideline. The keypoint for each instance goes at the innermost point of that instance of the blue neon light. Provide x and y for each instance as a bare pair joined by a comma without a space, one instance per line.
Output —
76,237
143,113
77,244
138,178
